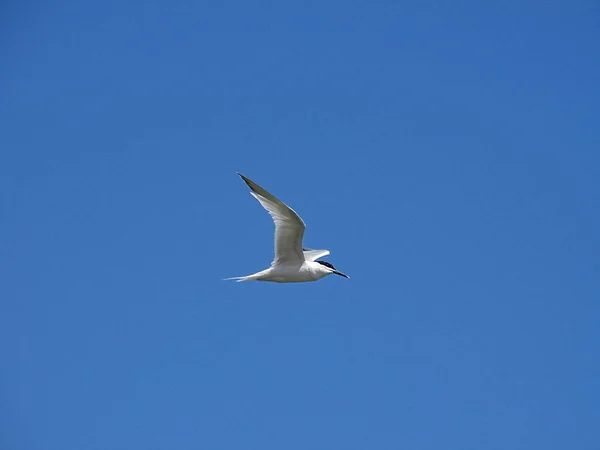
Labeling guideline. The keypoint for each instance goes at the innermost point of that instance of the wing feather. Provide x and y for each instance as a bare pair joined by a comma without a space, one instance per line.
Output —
313,255
289,226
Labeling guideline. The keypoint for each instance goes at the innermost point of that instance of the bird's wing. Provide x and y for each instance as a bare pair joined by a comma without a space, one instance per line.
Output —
313,255
289,227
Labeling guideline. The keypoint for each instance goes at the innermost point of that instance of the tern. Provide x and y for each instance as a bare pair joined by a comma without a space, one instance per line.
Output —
292,262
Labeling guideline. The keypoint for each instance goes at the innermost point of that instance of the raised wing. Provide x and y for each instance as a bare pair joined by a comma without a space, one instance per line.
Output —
313,255
289,227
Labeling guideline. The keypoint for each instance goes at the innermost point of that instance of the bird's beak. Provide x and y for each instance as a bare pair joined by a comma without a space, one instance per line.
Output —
341,274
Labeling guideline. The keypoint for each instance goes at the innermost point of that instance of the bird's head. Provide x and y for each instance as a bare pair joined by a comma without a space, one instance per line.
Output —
330,269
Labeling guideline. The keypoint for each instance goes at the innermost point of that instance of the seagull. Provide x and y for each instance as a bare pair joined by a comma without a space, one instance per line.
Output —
292,262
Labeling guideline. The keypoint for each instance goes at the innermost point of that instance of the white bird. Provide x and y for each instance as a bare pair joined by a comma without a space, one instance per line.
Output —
292,262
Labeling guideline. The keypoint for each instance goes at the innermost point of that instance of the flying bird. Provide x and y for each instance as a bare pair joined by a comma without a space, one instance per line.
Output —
292,262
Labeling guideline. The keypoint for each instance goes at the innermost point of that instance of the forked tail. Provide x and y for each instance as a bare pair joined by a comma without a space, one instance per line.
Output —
254,276
238,279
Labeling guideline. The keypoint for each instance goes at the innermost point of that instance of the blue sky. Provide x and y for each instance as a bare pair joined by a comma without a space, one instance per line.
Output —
446,153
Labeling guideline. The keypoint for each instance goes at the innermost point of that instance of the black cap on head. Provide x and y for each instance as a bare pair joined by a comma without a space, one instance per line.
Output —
326,264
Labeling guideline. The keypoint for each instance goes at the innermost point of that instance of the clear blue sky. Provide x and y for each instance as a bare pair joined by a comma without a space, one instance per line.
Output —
447,153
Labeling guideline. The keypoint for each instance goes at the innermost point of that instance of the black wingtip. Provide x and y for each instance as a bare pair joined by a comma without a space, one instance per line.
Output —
248,182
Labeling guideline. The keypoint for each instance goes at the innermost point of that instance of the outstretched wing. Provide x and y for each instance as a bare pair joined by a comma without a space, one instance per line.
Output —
313,255
289,227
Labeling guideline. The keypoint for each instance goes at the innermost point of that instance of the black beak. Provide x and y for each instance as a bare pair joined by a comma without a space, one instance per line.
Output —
341,274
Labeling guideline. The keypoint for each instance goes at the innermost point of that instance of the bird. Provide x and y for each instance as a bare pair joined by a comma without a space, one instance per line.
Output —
292,262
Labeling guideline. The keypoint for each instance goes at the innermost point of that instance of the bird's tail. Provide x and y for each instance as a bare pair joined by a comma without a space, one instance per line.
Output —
254,276
238,279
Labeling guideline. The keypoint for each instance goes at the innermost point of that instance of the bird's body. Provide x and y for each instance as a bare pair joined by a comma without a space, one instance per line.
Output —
292,262
289,273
